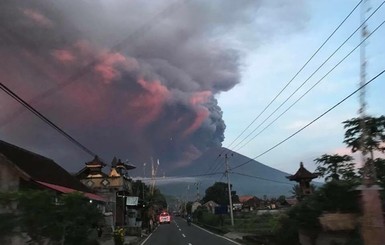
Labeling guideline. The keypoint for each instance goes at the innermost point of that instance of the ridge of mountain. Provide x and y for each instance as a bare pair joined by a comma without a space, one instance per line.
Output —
266,181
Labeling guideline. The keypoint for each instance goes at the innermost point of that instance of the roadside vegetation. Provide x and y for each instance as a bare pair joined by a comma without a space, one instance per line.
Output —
338,195
46,218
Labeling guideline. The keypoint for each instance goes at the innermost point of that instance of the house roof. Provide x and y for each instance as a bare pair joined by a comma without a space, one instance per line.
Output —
211,203
96,162
40,168
245,198
302,173
63,189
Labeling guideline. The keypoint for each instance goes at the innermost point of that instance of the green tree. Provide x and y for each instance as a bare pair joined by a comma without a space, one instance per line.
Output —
68,218
336,167
374,136
368,136
189,207
219,194
78,217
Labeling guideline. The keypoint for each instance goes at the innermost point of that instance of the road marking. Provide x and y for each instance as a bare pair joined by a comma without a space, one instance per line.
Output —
189,243
180,229
183,235
145,240
228,239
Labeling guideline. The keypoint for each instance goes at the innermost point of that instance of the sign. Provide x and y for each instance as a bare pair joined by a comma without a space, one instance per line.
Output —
132,201
221,210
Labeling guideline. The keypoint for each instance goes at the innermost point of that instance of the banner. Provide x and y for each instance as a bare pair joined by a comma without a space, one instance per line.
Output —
132,201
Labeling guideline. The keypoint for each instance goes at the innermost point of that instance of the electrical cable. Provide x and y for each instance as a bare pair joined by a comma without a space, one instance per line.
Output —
310,123
312,87
299,71
215,164
45,119
293,93
261,178
142,30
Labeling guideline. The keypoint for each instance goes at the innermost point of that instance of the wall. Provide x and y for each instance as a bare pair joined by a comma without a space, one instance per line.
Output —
9,176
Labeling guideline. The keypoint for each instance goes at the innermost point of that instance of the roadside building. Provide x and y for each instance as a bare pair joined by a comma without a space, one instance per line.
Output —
211,205
250,203
194,206
115,187
21,169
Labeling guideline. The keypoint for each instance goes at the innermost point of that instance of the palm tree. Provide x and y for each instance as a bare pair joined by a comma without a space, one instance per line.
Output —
335,167
366,135
374,136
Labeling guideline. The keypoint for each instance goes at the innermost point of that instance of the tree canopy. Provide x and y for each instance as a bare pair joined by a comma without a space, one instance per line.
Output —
219,194
336,167
373,138
68,218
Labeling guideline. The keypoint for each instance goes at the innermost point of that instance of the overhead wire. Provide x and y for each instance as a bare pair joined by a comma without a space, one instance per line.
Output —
217,164
45,119
261,178
310,123
319,67
135,34
312,87
297,73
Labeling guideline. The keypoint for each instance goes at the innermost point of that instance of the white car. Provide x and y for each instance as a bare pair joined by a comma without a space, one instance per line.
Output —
164,217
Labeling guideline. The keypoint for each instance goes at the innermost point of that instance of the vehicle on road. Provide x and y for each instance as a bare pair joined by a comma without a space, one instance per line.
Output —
189,220
164,217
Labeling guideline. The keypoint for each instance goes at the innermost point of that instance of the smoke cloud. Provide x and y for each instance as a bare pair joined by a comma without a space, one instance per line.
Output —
151,88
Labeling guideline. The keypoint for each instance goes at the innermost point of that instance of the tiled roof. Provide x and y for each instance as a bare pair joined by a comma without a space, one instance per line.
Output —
245,198
40,168
96,161
302,173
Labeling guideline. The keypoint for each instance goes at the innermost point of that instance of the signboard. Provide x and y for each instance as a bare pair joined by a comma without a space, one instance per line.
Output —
221,210
132,201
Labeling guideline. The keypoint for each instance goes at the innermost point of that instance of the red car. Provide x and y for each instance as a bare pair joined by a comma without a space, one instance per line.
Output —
164,217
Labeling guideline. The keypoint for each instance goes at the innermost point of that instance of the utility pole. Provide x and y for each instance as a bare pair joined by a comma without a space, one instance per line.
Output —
198,194
144,176
229,189
372,229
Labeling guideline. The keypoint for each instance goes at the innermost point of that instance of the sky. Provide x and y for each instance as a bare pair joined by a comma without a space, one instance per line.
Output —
171,79
273,64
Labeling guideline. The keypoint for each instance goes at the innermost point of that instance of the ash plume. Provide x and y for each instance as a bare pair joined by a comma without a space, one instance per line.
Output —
152,95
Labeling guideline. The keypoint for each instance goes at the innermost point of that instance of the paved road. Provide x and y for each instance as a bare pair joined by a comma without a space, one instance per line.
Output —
179,233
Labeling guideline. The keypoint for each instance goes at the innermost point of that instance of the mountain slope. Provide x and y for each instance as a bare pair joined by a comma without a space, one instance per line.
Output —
266,181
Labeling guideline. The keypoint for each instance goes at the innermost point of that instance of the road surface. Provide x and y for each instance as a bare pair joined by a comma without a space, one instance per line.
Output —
179,233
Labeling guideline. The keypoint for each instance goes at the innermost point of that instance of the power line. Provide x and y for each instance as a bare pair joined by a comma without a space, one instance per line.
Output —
310,123
261,178
142,30
217,164
45,119
300,70
182,177
308,89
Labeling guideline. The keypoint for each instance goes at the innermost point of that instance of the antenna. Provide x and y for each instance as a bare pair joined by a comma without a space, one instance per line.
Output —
373,223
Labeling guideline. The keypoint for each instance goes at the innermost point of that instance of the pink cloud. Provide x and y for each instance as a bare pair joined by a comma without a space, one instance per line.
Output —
196,101
147,106
64,56
356,155
107,68
38,18
201,114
